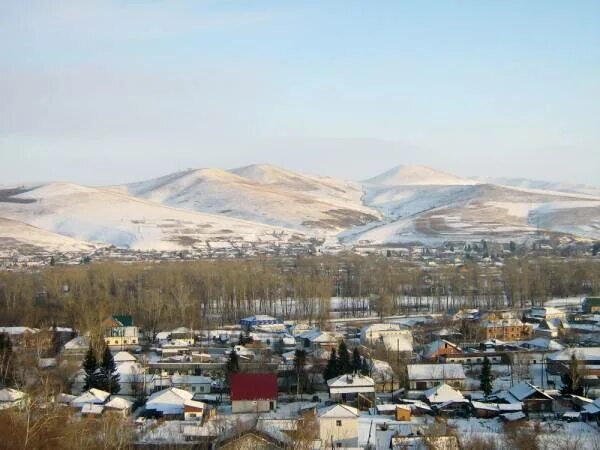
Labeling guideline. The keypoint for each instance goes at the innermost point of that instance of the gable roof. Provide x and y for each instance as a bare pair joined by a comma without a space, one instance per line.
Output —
123,357
525,390
338,412
93,395
124,320
439,344
435,372
253,386
443,393
119,403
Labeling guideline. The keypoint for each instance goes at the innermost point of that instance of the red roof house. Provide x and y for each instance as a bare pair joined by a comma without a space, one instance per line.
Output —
253,392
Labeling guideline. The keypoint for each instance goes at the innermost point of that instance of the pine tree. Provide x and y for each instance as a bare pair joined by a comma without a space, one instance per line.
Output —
344,364
571,379
109,377
356,360
233,364
486,377
365,367
331,370
90,367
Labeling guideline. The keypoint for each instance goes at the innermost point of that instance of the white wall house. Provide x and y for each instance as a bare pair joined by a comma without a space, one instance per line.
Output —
338,426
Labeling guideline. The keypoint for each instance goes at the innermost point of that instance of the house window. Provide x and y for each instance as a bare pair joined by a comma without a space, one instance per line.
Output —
193,388
192,414
338,423
338,444
125,341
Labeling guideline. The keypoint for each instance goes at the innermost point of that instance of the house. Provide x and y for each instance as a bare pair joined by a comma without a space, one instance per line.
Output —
352,388
551,328
253,392
11,398
118,405
120,333
193,410
91,396
192,383
169,402
532,398
393,336
316,340
425,376
538,314
591,305
403,413
441,347
543,344
588,357
249,323
338,426
505,326
485,410
591,411
77,346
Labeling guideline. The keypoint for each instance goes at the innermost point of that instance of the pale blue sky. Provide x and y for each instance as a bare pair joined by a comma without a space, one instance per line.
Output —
106,92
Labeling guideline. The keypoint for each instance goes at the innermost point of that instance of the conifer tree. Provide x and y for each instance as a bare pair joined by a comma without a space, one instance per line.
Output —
331,370
365,367
356,360
486,377
344,365
233,364
90,366
109,377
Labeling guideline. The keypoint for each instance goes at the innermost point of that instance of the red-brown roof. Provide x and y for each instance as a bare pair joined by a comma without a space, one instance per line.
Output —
253,386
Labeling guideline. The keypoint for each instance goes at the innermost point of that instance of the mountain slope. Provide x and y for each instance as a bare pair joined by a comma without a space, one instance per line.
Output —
25,239
264,194
108,216
417,176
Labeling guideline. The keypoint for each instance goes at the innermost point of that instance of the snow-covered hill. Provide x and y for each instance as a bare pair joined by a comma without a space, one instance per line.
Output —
25,239
264,194
268,205
105,215
417,176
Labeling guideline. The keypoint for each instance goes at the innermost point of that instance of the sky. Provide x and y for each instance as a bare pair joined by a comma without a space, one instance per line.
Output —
106,92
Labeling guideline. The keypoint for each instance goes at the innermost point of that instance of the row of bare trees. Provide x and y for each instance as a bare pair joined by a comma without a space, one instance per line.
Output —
215,292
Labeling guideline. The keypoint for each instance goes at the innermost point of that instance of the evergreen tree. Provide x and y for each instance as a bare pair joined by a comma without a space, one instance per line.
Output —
486,377
109,377
344,365
356,360
233,364
90,367
365,367
571,379
331,370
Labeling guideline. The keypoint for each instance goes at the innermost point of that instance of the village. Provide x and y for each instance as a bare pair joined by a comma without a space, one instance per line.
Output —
443,381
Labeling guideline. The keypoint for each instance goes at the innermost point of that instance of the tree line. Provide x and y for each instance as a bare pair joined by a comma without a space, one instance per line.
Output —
199,293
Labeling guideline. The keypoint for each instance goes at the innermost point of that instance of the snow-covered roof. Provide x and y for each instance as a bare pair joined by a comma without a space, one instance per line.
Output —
11,395
123,357
15,331
350,380
195,404
93,395
78,343
513,416
442,394
524,390
581,353
169,401
545,344
119,403
497,406
435,372
338,412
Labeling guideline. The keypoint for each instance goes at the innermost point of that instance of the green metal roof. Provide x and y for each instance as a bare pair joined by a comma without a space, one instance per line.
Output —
125,320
